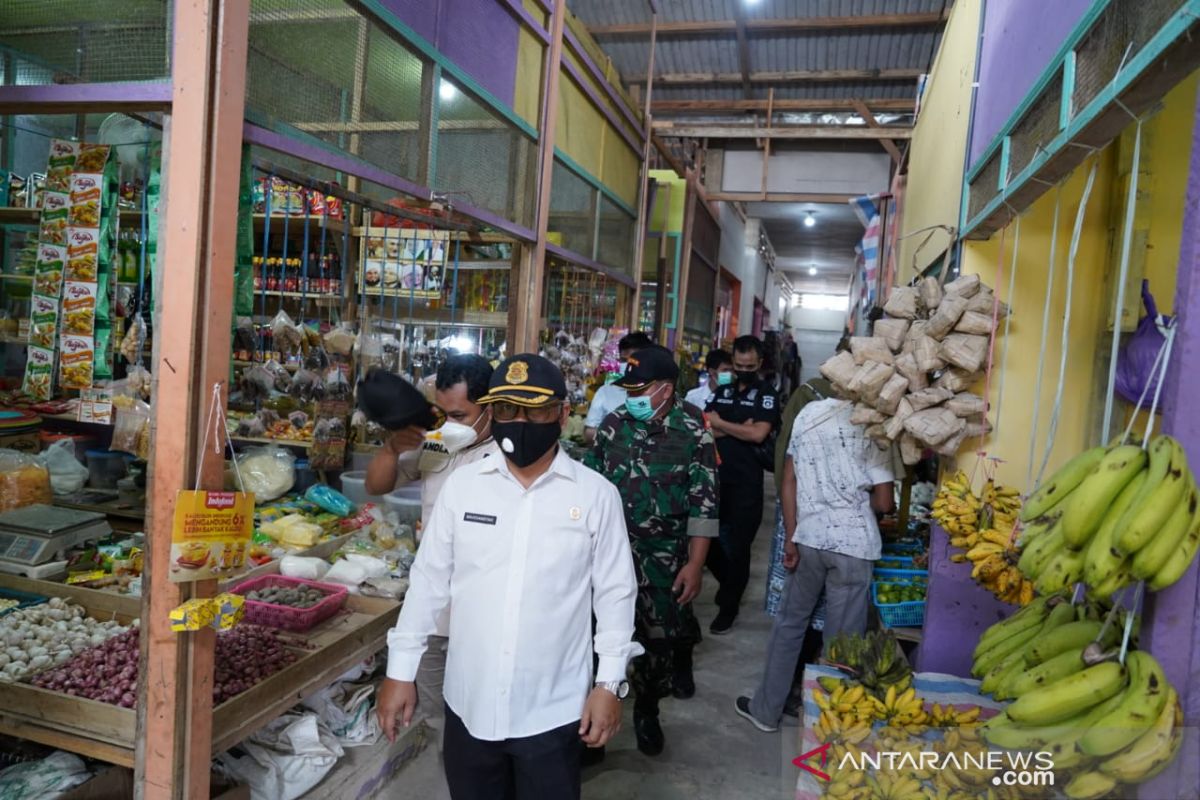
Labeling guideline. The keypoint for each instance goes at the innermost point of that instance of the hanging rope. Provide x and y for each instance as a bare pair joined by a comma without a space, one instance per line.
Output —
1037,389
1163,358
1012,284
1122,279
1072,252
987,376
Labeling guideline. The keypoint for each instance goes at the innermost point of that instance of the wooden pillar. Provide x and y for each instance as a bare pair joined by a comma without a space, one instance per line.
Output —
528,282
198,221
643,224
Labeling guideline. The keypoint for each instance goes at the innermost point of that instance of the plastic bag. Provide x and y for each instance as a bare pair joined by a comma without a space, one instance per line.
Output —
1135,363
67,475
340,340
286,336
329,499
286,758
312,569
53,776
134,341
268,472
131,429
23,481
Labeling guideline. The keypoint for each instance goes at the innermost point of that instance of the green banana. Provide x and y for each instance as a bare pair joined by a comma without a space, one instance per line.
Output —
1061,571
1068,637
1061,483
1087,505
1154,554
1037,528
1158,500
1000,672
1067,697
1033,614
1090,785
1178,562
1044,674
1013,645
1117,581
1041,550
1013,662
1102,561
1059,738
1142,704
1153,750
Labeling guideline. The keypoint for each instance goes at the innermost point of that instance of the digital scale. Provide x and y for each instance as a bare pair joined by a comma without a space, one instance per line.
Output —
34,540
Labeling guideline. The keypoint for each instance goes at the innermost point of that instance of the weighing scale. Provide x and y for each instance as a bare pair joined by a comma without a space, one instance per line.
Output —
34,540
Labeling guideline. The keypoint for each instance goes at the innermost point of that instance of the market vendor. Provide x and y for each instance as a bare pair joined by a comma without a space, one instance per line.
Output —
522,552
610,397
718,371
414,454
662,459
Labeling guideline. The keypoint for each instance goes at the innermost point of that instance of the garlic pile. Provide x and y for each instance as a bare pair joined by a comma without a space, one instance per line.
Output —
46,635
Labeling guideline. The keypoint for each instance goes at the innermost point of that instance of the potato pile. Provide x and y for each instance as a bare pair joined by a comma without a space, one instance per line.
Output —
910,380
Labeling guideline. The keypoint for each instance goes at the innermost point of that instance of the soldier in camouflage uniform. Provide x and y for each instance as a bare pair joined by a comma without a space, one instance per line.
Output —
663,460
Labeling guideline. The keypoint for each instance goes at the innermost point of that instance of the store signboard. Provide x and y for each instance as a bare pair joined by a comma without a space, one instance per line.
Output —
404,263
210,534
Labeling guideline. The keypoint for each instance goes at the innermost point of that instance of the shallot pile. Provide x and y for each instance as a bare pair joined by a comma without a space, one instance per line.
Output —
47,635
109,673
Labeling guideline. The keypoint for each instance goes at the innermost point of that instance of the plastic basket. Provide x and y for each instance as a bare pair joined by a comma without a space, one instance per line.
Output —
901,548
285,617
898,615
893,574
24,599
902,562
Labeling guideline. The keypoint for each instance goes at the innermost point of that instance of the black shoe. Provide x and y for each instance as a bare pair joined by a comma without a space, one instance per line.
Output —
791,710
742,707
648,732
591,756
721,625
683,684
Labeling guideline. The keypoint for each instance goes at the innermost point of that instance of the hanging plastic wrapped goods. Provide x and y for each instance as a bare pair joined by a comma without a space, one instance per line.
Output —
1135,364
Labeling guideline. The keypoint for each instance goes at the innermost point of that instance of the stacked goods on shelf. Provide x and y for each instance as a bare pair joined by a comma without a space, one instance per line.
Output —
983,529
1105,724
910,379
1111,517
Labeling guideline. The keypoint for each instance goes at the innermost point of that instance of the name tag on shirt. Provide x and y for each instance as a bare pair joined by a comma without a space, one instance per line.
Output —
482,519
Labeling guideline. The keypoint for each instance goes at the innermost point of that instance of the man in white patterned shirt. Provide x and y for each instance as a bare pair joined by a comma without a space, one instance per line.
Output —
835,481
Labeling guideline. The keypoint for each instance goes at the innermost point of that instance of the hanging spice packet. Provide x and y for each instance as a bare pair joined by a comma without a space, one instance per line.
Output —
77,363
39,373
48,271
43,321
93,158
53,228
85,200
79,308
60,165
83,254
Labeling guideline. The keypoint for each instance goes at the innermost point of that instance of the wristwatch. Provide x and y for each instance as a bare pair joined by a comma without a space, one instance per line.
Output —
620,689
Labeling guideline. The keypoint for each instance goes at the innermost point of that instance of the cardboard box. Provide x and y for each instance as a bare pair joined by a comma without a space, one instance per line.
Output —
365,773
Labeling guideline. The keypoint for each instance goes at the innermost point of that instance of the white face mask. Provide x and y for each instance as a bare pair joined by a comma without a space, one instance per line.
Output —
454,436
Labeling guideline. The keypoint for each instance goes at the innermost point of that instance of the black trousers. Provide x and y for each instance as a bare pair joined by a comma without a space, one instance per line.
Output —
537,767
741,514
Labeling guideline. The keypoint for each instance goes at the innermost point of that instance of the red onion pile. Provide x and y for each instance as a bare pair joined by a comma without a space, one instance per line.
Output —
108,673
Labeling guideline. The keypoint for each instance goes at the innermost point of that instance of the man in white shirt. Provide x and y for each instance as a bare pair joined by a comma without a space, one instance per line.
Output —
718,367
523,551
609,397
835,481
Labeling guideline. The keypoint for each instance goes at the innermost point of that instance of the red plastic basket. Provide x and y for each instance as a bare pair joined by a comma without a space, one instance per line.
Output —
286,617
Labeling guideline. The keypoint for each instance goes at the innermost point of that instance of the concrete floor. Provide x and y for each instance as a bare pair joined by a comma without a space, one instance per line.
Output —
711,753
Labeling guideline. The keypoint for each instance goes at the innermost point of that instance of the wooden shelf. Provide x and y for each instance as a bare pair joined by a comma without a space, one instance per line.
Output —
308,295
8,276
13,215
295,224
237,362
268,440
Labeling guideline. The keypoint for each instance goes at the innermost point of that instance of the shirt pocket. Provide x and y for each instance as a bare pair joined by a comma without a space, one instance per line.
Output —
561,555
668,494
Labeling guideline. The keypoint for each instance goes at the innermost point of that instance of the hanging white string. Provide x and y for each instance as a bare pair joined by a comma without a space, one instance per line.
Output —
1012,282
1162,358
216,425
1072,252
1122,279
1037,389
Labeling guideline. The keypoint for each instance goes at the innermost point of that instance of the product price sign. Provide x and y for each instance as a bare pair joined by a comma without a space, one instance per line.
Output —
210,534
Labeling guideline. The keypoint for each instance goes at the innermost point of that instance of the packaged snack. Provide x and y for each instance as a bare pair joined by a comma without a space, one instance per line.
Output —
79,308
194,614
103,335
39,373
36,191
77,362
43,321
53,229
131,429
85,200
92,157
83,254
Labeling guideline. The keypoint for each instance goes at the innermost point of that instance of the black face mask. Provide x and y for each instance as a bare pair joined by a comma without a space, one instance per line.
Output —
523,443
746,376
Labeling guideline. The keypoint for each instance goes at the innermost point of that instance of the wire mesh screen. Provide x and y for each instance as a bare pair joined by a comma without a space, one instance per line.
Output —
573,210
1123,29
706,234
483,157
100,42
984,187
579,300
617,233
1036,129
698,310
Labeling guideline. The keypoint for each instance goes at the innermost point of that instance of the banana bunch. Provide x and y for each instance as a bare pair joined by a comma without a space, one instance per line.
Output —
848,784
840,728
994,561
893,785
955,507
948,716
875,659
904,711
1111,517
849,700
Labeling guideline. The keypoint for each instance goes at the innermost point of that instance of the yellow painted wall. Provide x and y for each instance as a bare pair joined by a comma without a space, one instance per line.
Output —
1165,154
671,216
527,90
939,141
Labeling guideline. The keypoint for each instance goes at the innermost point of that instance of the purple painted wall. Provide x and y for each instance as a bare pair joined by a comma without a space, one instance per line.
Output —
1171,630
1020,37
480,36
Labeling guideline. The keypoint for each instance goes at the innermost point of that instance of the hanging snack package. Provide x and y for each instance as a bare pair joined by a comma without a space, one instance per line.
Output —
85,200
43,321
134,341
48,272
39,373
77,362
53,226
92,158
61,164
340,340
103,362
79,308
285,334
83,254
131,428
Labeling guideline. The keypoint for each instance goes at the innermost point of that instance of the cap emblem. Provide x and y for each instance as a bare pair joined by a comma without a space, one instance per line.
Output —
518,373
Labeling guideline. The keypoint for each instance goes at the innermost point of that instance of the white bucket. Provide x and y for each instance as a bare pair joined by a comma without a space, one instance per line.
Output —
404,504
354,486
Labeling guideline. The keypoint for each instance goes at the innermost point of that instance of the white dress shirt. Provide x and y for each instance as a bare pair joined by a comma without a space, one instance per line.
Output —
700,396
522,571
836,465
432,464
607,399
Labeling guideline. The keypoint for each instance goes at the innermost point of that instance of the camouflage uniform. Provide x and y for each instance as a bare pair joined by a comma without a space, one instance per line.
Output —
666,471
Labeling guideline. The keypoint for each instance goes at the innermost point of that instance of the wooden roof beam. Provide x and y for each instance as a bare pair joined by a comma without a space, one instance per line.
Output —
743,47
888,104
793,76
668,128
869,118
757,26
